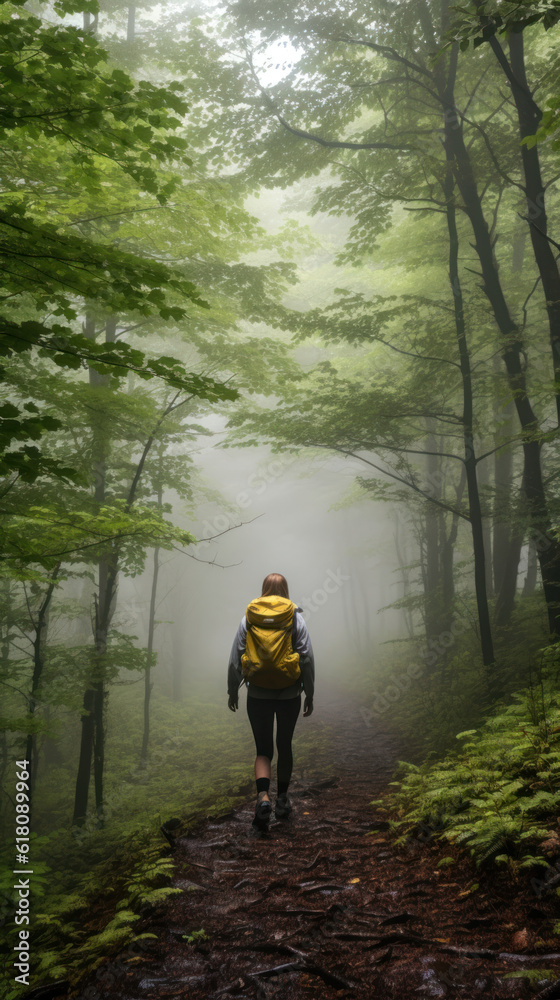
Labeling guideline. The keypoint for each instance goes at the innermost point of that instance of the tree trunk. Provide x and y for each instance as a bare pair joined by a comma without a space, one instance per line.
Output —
433,578
131,25
483,477
405,576
503,481
507,541
529,116
178,663
475,510
151,629
505,602
84,764
39,644
149,658
532,568
92,744
548,547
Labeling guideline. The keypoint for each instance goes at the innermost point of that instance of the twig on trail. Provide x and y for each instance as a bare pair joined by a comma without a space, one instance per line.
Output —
385,956
200,865
473,922
244,904
323,885
279,883
503,956
244,881
350,829
259,946
395,936
318,829
550,992
312,864
326,783
398,918
237,984
310,965
302,912
229,931
275,970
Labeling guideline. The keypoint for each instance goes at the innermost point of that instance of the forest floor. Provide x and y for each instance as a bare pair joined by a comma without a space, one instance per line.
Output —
327,906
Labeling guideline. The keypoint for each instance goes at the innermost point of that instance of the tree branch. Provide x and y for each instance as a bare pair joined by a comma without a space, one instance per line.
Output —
399,479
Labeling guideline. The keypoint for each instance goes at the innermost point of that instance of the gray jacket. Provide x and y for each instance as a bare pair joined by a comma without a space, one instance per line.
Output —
302,645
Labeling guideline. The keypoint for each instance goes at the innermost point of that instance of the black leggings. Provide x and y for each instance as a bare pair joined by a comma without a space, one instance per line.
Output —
261,716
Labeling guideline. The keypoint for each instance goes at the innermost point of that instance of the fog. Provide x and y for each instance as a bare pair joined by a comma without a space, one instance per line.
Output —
340,566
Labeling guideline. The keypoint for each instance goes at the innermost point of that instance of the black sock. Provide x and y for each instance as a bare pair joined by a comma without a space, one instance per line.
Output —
283,787
263,784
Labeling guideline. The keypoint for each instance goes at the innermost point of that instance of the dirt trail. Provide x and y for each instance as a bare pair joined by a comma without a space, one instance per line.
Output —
326,906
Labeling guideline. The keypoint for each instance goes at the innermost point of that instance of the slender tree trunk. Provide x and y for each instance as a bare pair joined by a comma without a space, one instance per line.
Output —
84,764
107,590
148,685
483,477
89,24
475,510
178,663
448,549
131,24
532,568
105,608
529,116
407,616
509,531
92,744
6,591
503,481
505,602
507,543
433,577
149,659
549,549
39,644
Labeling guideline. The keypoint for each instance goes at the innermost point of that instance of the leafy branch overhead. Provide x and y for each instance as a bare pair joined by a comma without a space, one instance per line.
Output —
59,86
63,99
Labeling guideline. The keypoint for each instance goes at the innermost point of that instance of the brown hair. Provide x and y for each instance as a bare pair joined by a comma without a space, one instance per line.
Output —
275,585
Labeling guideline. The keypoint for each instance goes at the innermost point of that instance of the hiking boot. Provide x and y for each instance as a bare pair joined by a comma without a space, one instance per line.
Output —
262,811
283,806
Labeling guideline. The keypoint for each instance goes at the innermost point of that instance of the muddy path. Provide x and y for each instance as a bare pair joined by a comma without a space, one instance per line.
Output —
326,906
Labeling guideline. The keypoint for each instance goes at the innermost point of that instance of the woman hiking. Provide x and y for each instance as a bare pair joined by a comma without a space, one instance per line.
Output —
272,654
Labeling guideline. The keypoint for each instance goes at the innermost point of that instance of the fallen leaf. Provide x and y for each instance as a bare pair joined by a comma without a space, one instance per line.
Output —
472,888
520,939
353,881
551,845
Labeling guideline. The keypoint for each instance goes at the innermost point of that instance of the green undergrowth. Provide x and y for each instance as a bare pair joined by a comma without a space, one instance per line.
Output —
497,794
90,886
428,692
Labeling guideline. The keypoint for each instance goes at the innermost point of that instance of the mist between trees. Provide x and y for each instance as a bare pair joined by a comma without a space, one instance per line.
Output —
296,313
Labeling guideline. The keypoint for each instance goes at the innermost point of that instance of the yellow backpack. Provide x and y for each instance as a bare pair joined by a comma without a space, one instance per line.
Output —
269,660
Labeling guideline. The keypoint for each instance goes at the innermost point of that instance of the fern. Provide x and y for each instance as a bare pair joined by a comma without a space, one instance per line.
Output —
492,794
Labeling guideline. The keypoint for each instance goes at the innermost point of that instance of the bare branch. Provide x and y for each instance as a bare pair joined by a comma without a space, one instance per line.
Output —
210,538
399,479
